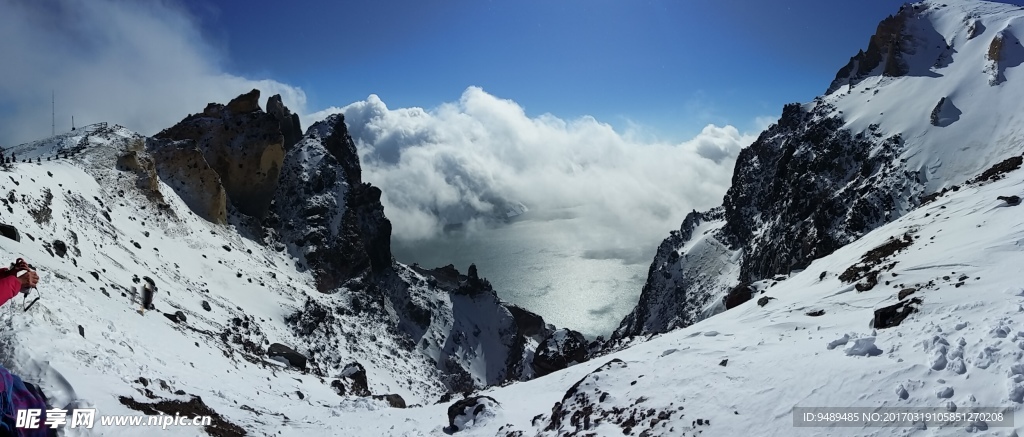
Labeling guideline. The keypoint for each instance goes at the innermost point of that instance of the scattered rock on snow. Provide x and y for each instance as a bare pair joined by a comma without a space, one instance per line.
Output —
893,315
396,401
1010,200
206,306
295,359
468,412
945,393
764,300
351,381
816,313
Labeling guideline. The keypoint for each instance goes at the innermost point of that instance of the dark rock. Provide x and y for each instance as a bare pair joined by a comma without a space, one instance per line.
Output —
906,292
763,300
394,400
81,331
289,122
59,248
528,324
1010,200
893,315
738,295
816,313
559,350
471,406
177,317
194,407
361,245
997,171
293,358
724,362
206,306
352,381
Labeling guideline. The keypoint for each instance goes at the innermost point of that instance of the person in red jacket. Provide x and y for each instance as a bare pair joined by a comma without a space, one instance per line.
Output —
13,280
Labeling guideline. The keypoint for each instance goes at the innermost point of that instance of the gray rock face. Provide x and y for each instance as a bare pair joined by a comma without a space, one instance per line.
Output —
332,219
803,189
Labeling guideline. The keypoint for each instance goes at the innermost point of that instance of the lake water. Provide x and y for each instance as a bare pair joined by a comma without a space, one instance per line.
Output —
546,264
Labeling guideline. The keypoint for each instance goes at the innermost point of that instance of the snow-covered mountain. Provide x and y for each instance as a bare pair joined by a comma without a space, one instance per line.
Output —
263,251
935,99
869,252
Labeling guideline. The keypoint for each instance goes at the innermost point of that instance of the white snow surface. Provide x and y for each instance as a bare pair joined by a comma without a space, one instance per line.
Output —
964,347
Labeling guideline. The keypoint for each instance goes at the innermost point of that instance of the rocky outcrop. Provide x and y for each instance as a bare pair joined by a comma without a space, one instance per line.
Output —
135,159
329,217
290,127
561,349
803,189
738,295
287,354
885,49
181,166
352,381
243,144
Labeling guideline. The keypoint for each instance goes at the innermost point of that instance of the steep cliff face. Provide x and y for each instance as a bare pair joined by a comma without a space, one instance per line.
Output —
243,144
335,225
328,216
864,154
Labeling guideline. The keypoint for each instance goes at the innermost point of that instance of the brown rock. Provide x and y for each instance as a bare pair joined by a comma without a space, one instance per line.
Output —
182,166
248,102
242,144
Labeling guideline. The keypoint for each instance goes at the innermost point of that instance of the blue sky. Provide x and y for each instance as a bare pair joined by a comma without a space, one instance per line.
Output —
670,66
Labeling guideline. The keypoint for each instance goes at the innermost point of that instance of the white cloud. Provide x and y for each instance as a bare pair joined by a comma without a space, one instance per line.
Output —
143,65
466,159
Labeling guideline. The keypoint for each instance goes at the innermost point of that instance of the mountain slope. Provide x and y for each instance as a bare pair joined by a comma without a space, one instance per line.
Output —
935,99
814,343
98,219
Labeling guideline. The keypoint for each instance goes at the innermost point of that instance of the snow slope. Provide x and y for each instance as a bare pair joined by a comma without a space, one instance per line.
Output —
936,99
743,372
222,300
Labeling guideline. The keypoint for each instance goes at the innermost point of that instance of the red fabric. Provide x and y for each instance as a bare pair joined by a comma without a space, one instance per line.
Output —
9,286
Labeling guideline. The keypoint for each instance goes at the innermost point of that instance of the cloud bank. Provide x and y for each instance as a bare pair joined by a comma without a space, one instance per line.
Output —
143,65
473,158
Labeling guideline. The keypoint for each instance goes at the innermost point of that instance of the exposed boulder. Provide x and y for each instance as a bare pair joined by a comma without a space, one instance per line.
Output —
352,381
893,315
182,166
396,401
466,413
561,349
764,300
1010,200
738,295
243,144
289,355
